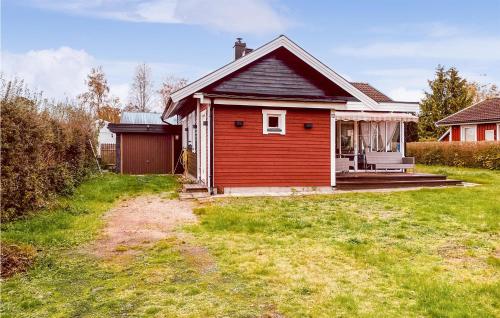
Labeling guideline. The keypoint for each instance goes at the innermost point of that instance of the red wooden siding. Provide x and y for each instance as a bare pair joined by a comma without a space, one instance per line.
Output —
244,156
481,128
455,133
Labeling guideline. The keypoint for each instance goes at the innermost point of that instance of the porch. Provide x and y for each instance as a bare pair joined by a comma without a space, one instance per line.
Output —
391,180
358,133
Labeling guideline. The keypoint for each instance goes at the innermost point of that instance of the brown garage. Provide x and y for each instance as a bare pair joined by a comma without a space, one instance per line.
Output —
147,148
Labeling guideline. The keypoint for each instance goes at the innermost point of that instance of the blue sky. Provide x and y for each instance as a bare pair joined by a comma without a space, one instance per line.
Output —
394,45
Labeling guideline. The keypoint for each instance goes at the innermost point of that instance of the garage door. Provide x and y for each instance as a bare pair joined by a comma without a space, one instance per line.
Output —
146,153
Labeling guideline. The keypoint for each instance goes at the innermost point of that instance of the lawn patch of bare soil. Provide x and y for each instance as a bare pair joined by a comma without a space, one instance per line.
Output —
138,223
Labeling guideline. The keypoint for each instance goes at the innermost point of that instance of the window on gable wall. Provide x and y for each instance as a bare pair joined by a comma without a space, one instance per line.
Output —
273,121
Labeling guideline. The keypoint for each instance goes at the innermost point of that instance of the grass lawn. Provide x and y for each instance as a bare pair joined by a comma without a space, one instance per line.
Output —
424,253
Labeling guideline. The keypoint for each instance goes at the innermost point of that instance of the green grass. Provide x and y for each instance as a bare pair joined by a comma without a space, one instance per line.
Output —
424,253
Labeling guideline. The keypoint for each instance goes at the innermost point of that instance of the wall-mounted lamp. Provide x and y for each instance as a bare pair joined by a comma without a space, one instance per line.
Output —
308,125
238,123
176,137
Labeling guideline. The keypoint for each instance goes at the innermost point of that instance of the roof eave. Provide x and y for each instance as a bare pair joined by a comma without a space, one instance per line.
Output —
472,122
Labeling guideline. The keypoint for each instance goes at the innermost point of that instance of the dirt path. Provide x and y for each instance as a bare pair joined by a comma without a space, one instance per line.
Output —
139,222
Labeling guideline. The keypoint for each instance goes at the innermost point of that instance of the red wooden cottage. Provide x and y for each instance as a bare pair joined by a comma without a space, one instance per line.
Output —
276,117
479,122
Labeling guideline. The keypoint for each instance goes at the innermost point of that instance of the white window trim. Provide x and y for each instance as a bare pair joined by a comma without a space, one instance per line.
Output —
462,132
282,121
184,133
493,134
498,132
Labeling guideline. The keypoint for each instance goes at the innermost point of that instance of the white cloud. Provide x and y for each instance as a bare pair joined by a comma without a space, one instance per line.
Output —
248,16
406,94
61,73
464,48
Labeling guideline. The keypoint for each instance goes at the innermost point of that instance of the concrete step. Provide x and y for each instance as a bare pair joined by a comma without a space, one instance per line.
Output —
193,187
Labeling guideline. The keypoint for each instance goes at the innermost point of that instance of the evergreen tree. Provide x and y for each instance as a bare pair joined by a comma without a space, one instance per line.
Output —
449,94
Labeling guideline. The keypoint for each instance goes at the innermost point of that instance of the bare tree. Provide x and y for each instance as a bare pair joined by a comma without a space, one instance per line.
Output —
141,92
170,85
483,91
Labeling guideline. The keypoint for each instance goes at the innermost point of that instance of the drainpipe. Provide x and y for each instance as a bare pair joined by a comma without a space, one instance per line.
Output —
198,141
211,147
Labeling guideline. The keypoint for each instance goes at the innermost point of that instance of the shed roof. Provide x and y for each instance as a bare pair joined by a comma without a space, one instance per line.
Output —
141,118
485,111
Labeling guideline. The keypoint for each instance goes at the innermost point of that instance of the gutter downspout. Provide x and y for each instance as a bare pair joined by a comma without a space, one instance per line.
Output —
211,145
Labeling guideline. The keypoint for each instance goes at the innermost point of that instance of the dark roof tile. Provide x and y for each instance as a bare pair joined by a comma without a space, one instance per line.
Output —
486,111
372,92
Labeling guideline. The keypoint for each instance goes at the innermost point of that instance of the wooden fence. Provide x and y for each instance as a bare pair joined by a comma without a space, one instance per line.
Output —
108,154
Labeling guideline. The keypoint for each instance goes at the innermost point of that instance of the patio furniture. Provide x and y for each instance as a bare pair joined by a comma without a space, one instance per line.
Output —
389,160
342,165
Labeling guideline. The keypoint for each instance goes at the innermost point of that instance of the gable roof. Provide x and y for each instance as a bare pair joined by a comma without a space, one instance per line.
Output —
372,92
279,74
281,41
485,111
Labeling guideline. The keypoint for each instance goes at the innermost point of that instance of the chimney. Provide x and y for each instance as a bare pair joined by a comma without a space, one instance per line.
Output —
239,48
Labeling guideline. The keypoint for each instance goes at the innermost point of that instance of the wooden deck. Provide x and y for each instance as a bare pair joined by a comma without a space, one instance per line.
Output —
383,180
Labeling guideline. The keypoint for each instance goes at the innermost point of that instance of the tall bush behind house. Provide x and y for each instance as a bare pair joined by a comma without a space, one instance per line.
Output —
44,149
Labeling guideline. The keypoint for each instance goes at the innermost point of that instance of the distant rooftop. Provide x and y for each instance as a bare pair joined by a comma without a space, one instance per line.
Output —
141,118
372,92
485,111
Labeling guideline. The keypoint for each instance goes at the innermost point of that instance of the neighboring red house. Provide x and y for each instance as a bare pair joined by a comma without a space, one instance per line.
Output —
276,117
479,122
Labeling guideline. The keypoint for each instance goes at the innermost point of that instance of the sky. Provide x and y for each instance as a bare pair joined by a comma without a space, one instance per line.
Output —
393,45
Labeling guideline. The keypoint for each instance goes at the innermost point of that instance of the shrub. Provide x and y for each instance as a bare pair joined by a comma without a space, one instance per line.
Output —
45,150
16,258
460,154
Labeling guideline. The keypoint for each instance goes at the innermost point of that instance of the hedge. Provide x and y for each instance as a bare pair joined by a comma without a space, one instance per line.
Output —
44,152
460,154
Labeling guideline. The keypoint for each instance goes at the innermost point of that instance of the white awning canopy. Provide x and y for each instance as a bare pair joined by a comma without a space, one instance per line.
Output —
375,116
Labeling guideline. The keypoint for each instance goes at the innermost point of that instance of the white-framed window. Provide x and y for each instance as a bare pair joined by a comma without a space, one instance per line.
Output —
273,121
468,133
498,132
489,135
184,132
192,131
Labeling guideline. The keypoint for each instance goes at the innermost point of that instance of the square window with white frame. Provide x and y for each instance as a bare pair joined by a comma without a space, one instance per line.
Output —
469,133
273,121
489,135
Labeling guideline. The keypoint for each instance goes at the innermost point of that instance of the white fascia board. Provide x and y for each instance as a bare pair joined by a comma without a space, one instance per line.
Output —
281,41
